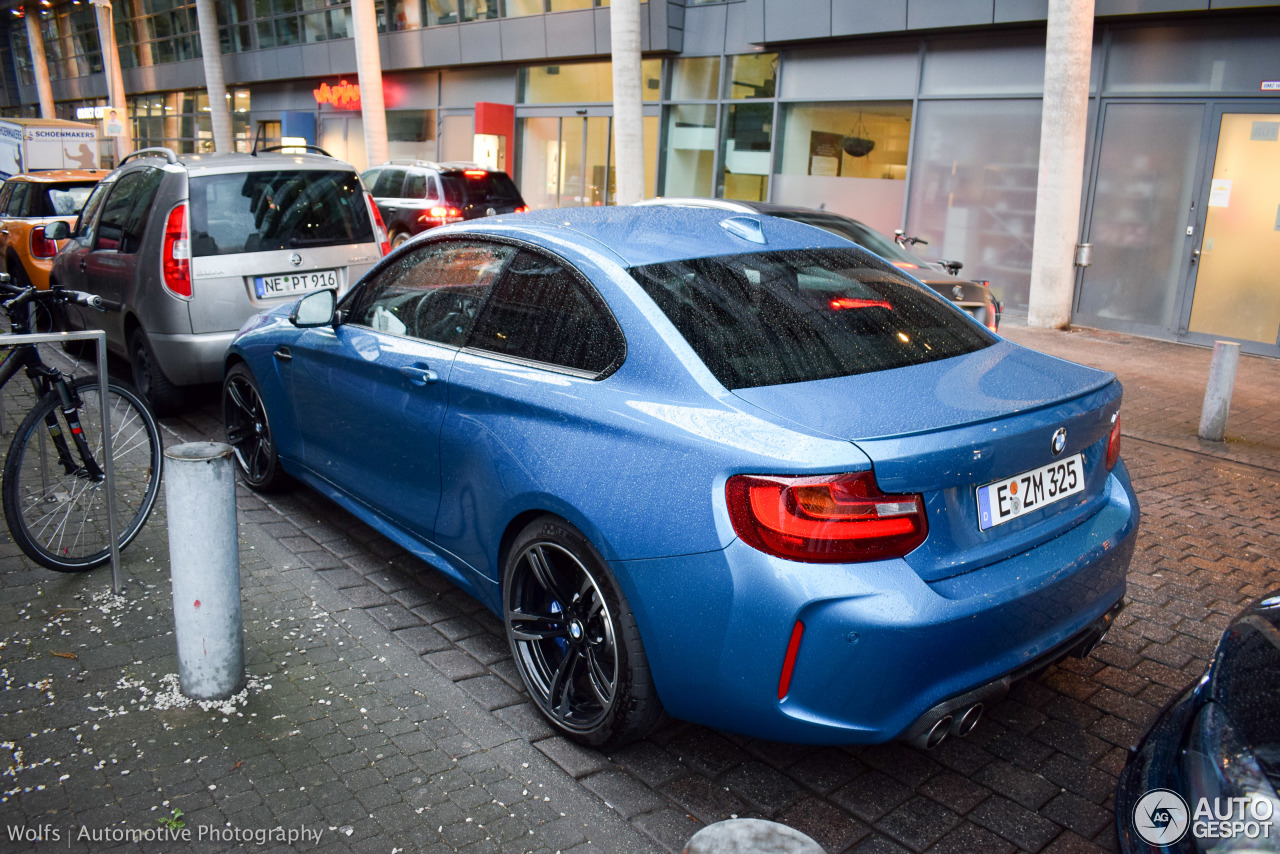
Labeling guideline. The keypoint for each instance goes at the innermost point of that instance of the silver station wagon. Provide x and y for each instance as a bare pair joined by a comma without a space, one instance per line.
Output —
194,245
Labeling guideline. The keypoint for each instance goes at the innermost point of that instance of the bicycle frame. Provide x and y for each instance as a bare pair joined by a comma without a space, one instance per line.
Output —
23,354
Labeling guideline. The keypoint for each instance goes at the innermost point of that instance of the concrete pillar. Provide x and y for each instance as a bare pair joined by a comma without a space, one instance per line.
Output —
204,565
39,63
1218,391
628,118
364,25
1068,51
214,78
115,79
750,836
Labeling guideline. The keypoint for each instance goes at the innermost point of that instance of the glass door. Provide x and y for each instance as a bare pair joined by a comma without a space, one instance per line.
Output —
567,161
1239,251
1142,217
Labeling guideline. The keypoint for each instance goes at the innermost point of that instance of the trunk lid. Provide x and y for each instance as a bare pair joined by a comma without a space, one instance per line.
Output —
948,427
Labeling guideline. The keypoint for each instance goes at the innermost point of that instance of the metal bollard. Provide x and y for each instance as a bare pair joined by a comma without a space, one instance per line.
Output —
750,836
204,563
1217,395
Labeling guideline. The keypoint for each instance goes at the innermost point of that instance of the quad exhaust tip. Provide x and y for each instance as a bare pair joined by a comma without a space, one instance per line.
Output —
936,734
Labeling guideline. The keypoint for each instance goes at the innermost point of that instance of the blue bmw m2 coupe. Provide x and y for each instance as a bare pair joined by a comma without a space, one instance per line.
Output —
728,466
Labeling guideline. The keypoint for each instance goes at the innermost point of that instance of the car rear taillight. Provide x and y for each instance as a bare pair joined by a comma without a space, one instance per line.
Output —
1113,444
41,246
842,518
440,215
379,227
175,257
474,173
521,209
840,303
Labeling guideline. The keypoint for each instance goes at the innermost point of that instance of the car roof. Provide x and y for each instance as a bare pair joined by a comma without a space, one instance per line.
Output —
238,162
649,234
53,176
447,166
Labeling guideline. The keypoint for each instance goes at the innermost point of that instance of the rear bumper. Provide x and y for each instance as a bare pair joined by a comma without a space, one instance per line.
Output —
189,359
881,647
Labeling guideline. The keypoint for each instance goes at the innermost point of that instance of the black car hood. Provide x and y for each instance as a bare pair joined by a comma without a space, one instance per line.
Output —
1245,680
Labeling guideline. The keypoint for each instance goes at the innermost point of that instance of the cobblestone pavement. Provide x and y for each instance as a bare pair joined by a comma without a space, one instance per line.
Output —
1037,774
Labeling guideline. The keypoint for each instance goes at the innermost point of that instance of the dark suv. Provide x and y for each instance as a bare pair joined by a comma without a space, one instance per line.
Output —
414,195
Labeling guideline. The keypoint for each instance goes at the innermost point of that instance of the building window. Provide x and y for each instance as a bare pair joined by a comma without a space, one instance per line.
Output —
149,32
70,41
288,22
583,83
411,134
181,120
752,75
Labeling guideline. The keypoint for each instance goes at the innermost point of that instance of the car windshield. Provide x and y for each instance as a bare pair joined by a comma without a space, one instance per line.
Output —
68,199
285,209
792,316
851,229
476,187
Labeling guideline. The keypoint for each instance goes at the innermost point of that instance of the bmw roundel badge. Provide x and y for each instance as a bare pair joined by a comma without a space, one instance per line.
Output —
1059,441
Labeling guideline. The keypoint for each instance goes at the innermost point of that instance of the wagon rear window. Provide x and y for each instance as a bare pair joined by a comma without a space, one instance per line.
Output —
784,317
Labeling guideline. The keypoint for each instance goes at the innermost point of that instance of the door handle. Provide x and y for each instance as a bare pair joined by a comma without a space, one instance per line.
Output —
82,265
1195,255
283,354
420,374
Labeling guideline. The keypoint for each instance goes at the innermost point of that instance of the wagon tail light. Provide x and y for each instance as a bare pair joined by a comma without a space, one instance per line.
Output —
1113,444
379,227
175,258
440,215
521,209
842,518
41,246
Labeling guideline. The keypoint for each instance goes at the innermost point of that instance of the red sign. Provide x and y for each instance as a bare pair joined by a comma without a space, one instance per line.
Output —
343,96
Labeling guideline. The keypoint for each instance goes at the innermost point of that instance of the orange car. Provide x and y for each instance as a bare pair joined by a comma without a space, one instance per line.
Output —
30,202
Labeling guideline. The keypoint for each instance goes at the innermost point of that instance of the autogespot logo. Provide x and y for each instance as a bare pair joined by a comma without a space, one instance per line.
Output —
1160,817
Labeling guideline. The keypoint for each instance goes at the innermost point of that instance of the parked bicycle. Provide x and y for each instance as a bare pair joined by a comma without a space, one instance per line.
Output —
54,483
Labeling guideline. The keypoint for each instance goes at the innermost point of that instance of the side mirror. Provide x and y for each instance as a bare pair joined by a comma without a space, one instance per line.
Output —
315,309
57,230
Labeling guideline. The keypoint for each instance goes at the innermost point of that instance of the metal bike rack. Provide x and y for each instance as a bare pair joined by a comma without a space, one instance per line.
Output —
100,337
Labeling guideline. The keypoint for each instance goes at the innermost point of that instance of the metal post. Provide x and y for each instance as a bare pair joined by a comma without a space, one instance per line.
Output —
204,563
742,835
1217,394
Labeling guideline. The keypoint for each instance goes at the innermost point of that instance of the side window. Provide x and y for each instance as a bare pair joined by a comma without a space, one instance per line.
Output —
433,293
540,311
388,184
84,222
416,186
17,205
5,192
370,178
125,213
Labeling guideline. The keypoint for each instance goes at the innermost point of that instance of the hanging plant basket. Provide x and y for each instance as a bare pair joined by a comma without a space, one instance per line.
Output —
856,144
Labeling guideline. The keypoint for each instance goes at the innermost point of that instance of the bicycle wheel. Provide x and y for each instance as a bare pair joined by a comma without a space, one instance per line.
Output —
59,517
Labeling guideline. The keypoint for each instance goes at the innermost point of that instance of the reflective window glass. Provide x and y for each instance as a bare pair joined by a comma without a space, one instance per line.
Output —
752,75
540,312
433,293
695,78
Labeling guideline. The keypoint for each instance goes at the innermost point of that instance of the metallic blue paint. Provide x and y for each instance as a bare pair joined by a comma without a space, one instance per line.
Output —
638,462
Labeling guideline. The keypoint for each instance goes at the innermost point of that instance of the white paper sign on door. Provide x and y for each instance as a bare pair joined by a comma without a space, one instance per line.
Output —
1220,193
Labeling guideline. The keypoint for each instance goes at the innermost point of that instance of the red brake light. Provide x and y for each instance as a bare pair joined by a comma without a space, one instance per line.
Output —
1113,445
474,173
380,228
850,302
789,663
41,246
521,209
842,518
175,257
441,215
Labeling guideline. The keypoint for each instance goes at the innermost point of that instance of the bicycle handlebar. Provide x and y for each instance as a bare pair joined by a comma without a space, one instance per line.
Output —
22,296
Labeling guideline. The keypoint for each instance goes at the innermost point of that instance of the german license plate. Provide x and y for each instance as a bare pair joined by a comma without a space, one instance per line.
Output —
292,283
1007,499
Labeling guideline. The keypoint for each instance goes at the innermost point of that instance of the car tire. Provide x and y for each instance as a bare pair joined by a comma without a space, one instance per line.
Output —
244,415
574,637
398,237
148,378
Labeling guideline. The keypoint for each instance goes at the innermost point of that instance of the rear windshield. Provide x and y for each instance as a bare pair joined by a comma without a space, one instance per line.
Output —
785,317
462,190
66,199
259,211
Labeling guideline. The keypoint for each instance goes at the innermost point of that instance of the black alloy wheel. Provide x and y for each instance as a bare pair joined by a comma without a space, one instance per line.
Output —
249,432
574,638
165,397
